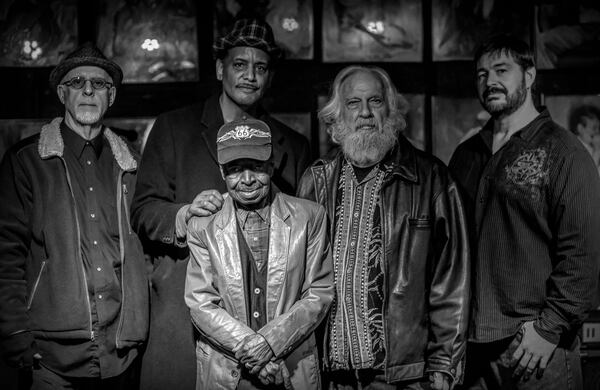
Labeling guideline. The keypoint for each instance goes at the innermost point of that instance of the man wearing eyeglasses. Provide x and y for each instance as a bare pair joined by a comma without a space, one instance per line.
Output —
74,303
259,279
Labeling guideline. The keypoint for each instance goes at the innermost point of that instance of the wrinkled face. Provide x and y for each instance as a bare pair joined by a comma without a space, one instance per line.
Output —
245,75
248,181
364,107
365,130
86,106
502,86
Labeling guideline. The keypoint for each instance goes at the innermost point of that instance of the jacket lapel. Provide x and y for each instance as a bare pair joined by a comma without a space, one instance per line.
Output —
230,258
212,120
279,241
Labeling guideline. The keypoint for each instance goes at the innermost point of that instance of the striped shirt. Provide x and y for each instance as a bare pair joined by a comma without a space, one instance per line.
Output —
535,217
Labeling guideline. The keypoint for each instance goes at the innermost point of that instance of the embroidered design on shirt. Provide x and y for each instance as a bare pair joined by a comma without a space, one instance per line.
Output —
527,168
243,132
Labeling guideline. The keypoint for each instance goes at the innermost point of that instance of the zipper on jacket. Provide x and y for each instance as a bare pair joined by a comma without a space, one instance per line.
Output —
125,205
79,255
385,278
120,203
35,285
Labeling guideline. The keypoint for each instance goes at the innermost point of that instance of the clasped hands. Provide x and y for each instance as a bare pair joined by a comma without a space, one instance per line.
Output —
255,354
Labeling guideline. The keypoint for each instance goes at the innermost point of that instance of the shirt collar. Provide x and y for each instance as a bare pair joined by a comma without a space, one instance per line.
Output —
526,133
76,143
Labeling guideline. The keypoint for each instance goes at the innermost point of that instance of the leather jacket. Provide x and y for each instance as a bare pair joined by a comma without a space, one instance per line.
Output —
298,294
426,264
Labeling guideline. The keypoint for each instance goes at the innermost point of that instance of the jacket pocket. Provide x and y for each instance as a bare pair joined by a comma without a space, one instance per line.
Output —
35,285
419,232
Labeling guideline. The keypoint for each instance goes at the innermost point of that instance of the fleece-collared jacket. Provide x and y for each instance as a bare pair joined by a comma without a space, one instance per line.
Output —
426,260
43,292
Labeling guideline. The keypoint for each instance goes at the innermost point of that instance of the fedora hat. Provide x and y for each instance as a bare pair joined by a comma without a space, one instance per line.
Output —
250,32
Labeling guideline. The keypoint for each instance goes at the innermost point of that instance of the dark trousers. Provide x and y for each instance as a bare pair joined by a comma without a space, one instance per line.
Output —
488,368
41,378
369,380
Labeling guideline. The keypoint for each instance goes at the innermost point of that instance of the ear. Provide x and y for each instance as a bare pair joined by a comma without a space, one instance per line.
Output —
530,77
61,93
112,94
580,129
219,68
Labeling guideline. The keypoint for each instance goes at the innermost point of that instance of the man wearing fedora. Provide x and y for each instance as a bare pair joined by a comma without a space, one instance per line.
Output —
179,177
259,280
74,301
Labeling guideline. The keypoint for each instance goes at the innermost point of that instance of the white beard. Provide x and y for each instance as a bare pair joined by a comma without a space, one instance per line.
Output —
87,118
365,148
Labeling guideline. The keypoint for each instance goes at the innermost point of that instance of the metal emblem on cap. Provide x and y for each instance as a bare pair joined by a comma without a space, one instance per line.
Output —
243,132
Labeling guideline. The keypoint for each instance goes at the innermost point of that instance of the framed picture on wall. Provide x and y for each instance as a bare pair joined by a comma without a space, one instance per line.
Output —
579,114
37,33
298,121
152,40
460,25
567,34
291,21
14,130
134,130
454,121
372,31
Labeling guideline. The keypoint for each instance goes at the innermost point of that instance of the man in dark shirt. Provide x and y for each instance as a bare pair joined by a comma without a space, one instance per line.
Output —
73,292
532,192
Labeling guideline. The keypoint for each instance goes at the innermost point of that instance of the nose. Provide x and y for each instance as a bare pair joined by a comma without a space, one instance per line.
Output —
365,110
247,176
87,88
250,74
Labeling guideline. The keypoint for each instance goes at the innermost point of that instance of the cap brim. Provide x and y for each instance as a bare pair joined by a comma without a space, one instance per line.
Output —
256,152
63,68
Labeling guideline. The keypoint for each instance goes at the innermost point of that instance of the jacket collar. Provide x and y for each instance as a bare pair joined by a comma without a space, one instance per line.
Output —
51,144
227,214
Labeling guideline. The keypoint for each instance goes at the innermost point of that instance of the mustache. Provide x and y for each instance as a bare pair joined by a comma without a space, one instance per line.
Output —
366,122
491,90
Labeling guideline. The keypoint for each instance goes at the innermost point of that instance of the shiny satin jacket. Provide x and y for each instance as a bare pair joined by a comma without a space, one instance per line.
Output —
299,291
426,263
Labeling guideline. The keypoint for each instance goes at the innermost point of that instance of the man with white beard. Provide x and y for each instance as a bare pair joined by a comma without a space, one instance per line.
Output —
399,243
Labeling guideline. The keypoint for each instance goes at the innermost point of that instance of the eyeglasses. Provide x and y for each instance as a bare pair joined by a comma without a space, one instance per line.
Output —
79,82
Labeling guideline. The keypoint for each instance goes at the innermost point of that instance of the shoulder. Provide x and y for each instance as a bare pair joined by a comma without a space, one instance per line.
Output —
183,118
300,206
286,133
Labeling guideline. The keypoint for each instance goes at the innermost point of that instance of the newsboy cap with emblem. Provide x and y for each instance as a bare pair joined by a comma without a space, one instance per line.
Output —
86,55
251,33
246,138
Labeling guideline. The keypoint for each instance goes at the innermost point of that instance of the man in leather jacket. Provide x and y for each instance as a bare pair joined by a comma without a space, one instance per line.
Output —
259,280
399,244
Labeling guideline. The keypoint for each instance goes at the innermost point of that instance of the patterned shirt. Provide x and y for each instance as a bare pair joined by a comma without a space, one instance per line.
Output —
255,227
357,337
534,224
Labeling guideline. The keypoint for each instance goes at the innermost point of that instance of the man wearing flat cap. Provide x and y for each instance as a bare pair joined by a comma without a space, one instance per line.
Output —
259,280
179,177
74,301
